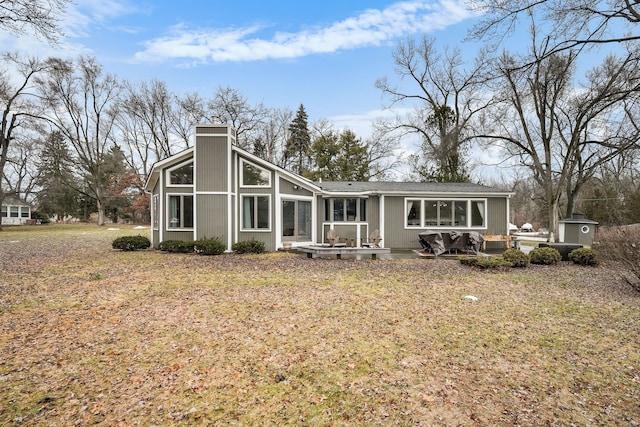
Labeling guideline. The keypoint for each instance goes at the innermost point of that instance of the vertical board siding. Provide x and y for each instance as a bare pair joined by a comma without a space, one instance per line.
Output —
212,217
211,167
397,236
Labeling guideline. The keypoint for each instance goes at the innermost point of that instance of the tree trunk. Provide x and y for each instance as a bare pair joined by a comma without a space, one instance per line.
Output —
553,219
100,211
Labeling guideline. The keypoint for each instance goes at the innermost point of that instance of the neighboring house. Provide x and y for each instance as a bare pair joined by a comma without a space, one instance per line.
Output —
217,189
15,211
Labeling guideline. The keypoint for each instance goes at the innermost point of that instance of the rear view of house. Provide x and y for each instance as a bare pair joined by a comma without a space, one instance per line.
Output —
217,189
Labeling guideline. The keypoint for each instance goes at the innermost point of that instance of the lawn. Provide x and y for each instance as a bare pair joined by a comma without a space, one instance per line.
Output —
90,335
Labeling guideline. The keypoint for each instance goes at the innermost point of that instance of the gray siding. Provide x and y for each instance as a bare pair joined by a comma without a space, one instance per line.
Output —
212,163
395,234
286,188
398,237
178,235
211,216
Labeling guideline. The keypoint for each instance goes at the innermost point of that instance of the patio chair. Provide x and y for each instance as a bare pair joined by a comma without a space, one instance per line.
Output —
333,238
373,241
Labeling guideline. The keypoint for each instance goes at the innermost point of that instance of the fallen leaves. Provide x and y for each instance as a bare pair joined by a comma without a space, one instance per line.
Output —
93,335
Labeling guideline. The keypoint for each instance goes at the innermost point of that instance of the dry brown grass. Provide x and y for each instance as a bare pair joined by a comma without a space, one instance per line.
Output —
94,336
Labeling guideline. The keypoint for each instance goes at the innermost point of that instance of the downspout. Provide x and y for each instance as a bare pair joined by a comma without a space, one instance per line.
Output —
230,180
382,233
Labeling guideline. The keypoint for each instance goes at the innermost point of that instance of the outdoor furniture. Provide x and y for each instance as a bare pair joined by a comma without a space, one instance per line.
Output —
333,238
338,251
496,238
439,242
373,241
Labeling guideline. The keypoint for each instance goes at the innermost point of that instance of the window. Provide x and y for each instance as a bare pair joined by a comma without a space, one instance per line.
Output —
254,176
156,213
349,210
424,213
181,175
13,211
180,211
255,212
296,220
24,212
4,212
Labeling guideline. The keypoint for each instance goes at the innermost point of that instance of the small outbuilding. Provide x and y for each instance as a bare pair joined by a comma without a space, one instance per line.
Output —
577,229
15,211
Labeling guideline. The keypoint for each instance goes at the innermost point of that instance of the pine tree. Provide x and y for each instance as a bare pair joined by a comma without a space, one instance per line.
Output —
299,142
58,195
340,157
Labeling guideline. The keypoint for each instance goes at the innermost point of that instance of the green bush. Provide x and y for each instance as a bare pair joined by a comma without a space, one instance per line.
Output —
131,243
486,263
176,246
208,246
248,247
40,217
545,256
516,257
584,256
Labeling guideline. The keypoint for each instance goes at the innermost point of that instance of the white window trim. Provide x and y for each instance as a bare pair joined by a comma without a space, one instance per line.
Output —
156,218
422,201
243,185
168,217
346,221
178,166
255,230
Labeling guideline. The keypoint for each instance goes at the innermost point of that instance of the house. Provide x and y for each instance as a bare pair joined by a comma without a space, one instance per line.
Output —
14,211
216,189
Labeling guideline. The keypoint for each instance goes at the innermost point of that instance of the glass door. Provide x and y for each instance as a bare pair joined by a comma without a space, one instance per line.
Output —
296,221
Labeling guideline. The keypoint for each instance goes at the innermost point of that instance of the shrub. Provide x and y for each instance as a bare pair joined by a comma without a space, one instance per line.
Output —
486,263
621,246
208,246
176,246
516,257
40,217
248,247
584,256
131,243
545,256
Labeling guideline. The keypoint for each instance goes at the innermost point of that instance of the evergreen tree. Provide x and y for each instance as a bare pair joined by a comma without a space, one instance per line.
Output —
58,194
299,142
340,157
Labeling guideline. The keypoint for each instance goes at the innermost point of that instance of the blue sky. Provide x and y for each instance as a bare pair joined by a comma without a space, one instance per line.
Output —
326,55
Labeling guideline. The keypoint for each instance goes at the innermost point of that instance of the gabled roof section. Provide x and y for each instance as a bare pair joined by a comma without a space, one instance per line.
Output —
154,175
409,188
267,164
11,200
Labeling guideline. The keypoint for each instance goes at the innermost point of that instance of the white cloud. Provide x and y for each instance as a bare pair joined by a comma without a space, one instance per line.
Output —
371,28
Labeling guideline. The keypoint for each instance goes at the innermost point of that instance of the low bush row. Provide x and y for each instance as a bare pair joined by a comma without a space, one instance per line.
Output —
201,246
131,243
515,258
211,246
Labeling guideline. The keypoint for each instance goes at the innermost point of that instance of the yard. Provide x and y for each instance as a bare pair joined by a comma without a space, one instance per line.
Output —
90,335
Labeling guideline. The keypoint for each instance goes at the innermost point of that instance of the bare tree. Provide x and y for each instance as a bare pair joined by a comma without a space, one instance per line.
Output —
16,105
39,17
21,171
188,112
82,104
230,106
272,134
560,134
446,99
579,22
